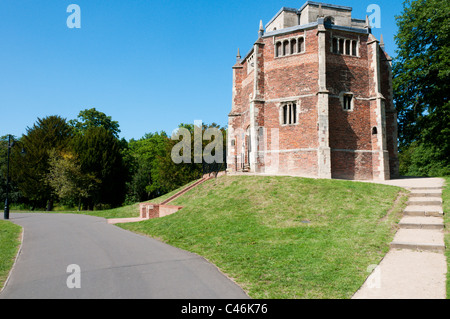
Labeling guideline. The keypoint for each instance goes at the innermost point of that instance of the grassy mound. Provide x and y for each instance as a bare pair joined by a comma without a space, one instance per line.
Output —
285,237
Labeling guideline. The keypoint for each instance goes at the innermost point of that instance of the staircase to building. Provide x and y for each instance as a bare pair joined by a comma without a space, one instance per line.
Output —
422,225
149,210
187,189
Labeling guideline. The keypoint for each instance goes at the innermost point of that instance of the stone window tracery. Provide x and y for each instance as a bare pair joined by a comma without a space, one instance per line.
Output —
344,46
289,113
289,46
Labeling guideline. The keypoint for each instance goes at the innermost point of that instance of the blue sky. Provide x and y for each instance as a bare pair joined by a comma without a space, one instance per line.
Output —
150,65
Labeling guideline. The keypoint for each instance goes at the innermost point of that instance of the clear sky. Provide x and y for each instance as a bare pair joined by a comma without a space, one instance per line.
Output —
150,65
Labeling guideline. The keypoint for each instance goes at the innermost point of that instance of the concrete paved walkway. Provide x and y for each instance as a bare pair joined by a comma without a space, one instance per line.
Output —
415,267
114,263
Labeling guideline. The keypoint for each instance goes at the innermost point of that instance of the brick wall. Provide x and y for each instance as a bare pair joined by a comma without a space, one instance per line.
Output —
294,78
150,211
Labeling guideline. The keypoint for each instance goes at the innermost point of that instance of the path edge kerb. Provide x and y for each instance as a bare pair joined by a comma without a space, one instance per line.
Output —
16,257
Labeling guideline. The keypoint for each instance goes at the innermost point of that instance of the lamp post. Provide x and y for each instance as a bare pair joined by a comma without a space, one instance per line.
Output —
23,152
6,214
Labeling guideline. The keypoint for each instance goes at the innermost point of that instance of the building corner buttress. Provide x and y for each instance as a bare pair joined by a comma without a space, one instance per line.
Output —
380,160
324,151
257,101
232,158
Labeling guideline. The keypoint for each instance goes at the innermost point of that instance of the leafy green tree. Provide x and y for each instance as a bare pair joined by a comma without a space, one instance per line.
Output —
422,85
69,183
100,154
143,154
92,118
31,170
169,175
153,170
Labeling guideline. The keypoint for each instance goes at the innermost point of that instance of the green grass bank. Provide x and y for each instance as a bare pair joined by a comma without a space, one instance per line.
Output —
9,246
285,237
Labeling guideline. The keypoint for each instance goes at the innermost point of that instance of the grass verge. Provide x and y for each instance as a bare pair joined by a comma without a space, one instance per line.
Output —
120,212
10,242
285,237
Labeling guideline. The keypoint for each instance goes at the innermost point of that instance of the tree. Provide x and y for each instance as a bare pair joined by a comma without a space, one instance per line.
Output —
152,169
69,183
99,150
422,85
31,171
100,154
143,154
169,175
93,118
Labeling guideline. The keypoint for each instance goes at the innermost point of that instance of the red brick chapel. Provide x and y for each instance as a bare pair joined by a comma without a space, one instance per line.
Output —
313,98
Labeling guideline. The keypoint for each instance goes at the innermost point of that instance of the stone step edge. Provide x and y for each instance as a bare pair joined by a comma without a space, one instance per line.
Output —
418,246
424,203
423,213
437,195
421,226
426,199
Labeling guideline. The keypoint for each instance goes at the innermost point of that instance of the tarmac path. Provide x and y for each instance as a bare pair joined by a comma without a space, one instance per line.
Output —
61,252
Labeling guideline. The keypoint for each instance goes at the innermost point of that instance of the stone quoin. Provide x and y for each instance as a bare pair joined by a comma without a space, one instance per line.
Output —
313,98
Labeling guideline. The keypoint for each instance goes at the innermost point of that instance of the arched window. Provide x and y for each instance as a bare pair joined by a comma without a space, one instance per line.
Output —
289,113
286,47
294,113
347,47
278,49
374,130
293,46
341,46
344,46
347,102
301,45
289,46
354,48
335,45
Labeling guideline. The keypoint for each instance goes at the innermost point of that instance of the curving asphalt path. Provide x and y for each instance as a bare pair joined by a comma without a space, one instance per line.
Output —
114,263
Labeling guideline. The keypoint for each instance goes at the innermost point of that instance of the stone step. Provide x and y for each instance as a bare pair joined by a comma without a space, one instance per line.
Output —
419,239
413,210
411,222
411,195
424,201
440,248
423,192
426,188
